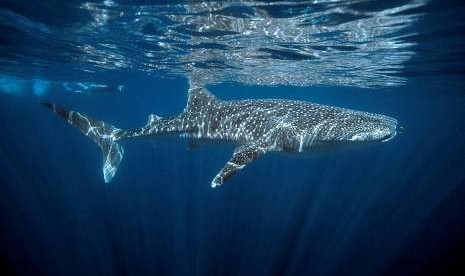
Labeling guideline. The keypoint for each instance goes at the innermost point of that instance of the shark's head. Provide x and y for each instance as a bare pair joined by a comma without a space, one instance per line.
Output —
367,127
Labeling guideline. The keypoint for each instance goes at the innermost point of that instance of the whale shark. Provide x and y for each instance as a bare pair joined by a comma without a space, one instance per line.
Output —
254,127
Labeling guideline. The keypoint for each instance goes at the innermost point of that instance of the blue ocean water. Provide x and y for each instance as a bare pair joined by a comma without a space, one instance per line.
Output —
390,209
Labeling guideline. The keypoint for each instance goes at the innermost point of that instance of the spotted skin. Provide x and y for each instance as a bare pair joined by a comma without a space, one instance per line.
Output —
255,127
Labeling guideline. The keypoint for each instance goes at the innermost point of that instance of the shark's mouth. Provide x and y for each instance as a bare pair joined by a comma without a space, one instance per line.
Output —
374,136
388,137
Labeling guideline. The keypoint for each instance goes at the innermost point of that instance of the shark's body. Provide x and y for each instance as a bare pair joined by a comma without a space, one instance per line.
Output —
255,127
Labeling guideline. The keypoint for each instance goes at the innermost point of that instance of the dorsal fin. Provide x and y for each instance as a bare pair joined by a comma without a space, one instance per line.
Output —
198,98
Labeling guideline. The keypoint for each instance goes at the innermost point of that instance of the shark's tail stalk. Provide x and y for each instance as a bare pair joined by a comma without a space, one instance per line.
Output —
104,134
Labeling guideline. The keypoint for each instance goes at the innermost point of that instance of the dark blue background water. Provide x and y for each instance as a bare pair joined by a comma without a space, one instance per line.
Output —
392,209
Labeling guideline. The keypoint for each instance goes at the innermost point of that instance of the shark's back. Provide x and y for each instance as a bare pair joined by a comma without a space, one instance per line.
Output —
250,120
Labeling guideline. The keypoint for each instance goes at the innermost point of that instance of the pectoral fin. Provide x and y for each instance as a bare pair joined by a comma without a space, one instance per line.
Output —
242,156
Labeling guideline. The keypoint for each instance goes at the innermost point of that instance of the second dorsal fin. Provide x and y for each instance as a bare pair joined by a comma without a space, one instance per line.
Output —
152,118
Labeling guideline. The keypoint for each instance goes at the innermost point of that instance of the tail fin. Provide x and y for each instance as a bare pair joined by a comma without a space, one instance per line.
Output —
104,134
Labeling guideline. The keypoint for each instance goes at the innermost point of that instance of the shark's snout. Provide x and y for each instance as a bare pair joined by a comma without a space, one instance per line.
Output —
396,129
378,129
391,131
